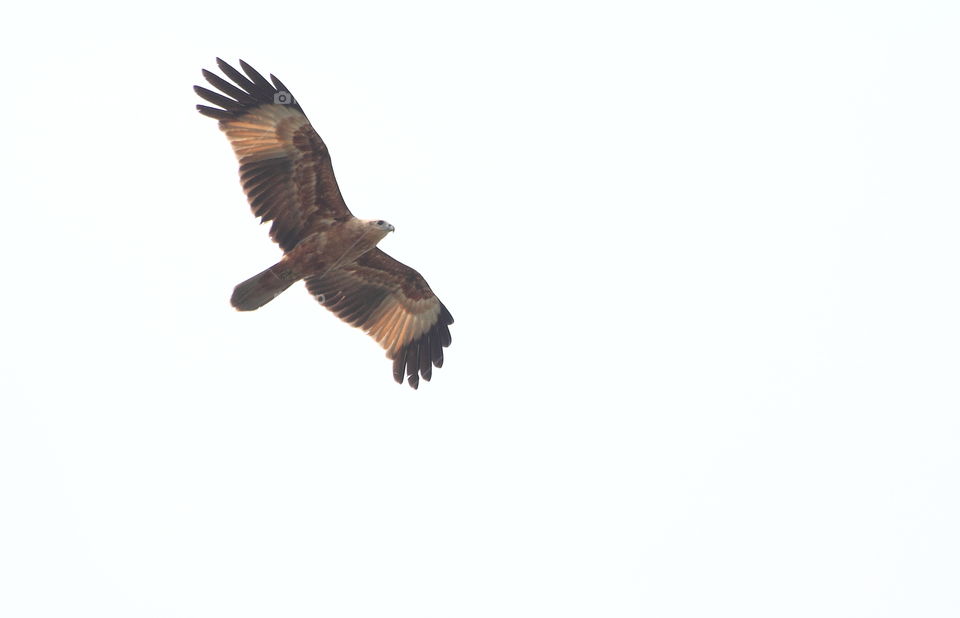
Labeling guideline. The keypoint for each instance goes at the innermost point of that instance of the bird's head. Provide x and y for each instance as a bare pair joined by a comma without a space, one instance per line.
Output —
380,226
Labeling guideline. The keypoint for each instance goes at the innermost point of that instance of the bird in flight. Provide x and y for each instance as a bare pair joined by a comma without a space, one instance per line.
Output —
287,175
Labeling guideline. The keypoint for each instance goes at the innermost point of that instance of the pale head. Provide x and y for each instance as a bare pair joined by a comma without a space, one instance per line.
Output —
379,225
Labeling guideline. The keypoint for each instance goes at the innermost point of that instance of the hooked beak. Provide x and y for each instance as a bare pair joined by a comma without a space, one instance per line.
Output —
391,227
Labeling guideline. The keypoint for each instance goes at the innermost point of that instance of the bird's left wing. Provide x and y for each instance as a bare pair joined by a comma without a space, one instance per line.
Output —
285,167
393,304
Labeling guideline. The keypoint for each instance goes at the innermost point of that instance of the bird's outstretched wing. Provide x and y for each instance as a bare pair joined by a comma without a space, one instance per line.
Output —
285,168
394,305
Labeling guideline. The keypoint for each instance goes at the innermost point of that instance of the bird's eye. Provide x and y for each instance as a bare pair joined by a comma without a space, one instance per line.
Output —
380,222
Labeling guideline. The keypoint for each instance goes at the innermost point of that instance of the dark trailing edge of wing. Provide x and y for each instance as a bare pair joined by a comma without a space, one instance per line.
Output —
417,358
251,91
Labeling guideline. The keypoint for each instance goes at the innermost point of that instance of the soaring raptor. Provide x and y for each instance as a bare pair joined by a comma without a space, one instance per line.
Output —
287,176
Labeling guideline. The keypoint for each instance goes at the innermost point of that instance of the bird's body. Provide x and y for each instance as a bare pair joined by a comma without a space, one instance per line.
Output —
341,243
286,173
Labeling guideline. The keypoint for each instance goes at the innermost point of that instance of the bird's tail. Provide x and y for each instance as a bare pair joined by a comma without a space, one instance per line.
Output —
260,289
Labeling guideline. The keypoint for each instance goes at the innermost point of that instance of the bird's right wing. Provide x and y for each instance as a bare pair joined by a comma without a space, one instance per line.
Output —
285,168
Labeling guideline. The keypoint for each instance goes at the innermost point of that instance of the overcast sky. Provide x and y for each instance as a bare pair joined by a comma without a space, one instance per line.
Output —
703,263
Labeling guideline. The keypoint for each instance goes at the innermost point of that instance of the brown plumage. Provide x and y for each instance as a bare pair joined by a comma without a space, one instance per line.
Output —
287,175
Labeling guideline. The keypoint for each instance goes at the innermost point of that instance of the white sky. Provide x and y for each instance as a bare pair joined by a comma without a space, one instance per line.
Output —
703,264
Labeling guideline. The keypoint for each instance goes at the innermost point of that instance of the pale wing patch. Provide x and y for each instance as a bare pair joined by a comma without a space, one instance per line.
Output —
401,322
399,336
382,325
395,333
265,133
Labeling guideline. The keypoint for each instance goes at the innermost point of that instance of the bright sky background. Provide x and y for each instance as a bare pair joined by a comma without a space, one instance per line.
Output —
703,260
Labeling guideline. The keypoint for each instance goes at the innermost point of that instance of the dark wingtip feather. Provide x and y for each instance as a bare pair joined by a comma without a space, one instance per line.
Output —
238,77
413,360
398,365
254,76
426,366
445,338
218,99
251,91
418,358
213,112
225,66
445,315
277,83
436,349
226,87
